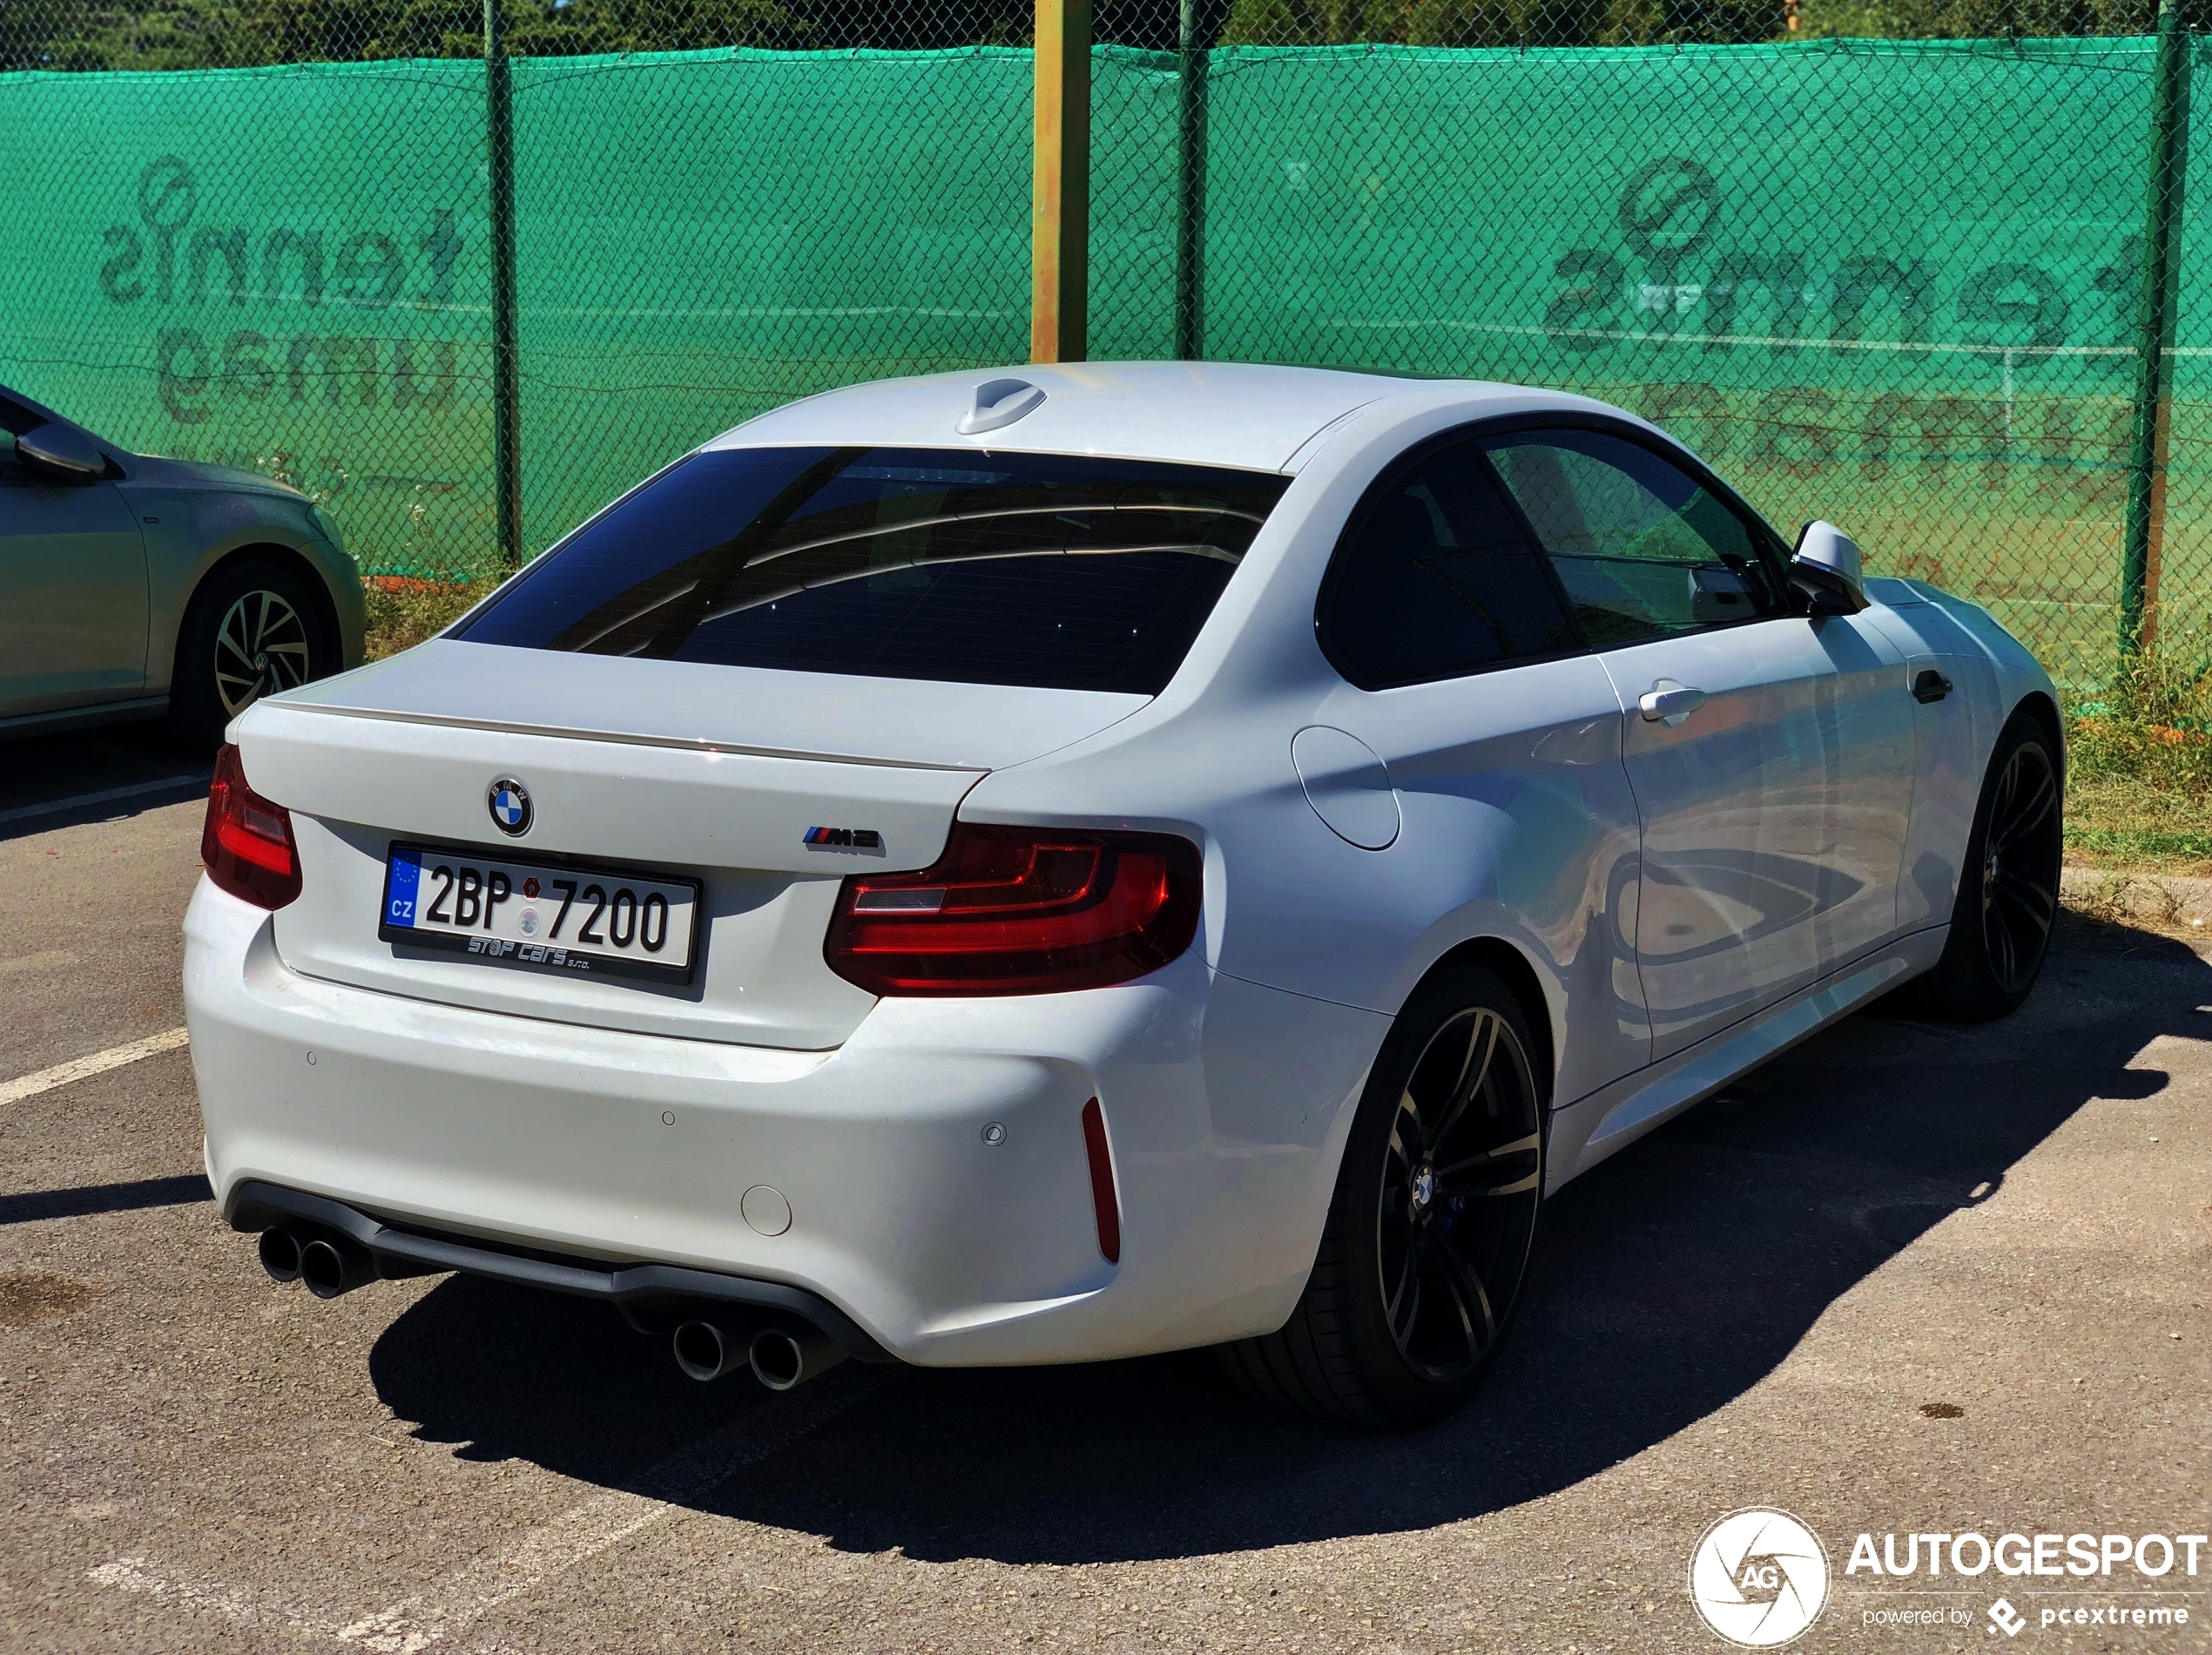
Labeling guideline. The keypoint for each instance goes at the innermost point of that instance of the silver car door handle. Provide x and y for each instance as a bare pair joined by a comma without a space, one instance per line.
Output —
1670,703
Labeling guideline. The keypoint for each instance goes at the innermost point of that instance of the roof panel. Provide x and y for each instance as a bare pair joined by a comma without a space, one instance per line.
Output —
1231,414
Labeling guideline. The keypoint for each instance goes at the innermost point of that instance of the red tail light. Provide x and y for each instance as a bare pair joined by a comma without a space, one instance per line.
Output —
1020,910
247,841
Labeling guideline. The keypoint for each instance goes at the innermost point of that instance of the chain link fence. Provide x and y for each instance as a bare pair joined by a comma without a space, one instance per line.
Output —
1919,266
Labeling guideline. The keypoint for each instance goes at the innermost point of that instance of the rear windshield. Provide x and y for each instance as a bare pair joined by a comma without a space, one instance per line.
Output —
1053,570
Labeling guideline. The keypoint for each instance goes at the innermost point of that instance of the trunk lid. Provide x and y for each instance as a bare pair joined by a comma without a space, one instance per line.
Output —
706,772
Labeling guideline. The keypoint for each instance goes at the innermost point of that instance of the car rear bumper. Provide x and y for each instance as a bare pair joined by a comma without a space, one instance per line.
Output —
654,1298
945,1242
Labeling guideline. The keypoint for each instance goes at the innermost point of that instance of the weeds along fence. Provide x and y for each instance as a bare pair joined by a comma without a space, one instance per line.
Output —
464,276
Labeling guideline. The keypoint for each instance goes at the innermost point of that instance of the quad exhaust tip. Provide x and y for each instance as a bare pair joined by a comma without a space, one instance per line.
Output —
781,1356
705,1352
329,1265
280,1251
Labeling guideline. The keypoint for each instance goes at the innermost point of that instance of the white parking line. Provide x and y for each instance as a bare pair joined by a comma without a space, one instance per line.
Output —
54,807
139,1574
51,960
583,1532
14,1091
449,1607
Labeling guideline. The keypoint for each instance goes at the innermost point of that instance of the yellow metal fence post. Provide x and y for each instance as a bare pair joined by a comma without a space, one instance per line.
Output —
1059,186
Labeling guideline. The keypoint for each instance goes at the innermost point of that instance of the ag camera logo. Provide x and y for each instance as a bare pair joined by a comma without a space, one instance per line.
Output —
1759,1578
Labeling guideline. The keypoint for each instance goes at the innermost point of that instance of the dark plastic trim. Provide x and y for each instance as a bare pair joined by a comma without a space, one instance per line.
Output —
644,1292
143,706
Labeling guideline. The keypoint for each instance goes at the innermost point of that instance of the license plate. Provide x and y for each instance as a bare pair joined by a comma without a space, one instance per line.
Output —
592,920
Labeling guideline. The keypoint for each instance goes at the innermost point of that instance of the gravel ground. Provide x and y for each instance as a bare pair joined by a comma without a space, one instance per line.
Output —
1908,1278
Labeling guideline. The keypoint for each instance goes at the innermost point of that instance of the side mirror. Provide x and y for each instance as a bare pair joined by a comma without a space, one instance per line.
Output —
61,453
1820,601
1718,594
1826,564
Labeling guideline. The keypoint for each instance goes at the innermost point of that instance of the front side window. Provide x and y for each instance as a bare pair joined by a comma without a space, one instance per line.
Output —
1642,550
1056,571
1438,580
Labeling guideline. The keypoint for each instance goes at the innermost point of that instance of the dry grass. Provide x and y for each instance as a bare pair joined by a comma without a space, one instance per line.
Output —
2139,791
403,611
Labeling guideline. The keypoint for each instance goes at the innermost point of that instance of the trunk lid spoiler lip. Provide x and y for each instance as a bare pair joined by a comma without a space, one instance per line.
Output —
617,738
882,724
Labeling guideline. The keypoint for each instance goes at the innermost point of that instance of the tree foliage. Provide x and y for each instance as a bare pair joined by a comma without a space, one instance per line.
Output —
207,34
198,34
1658,22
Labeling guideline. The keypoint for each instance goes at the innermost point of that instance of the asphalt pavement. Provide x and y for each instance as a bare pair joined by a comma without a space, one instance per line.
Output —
1907,1279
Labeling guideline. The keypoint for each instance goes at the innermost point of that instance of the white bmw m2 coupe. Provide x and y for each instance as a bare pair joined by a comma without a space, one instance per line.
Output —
1090,860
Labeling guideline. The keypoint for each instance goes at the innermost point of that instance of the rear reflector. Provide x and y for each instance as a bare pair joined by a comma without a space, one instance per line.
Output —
246,843
1020,910
1102,1182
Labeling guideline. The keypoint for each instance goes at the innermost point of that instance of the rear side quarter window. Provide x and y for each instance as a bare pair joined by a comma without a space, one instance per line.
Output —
1434,579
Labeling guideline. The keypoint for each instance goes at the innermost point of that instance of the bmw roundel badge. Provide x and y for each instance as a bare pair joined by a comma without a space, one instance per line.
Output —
510,806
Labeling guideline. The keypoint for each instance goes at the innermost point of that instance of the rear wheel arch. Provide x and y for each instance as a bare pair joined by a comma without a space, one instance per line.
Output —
1411,1232
1515,969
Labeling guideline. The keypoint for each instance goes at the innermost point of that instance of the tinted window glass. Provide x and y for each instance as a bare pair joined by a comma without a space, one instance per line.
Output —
1640,548
1438,580
1053,570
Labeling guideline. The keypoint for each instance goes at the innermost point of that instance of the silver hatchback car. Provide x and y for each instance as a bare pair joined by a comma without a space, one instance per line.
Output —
139,588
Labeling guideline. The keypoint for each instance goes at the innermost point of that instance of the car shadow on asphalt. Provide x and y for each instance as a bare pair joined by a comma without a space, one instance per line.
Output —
1668,1281
64,780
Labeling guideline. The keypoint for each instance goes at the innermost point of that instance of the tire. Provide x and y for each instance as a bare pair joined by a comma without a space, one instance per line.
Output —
1427,1237
250,630
2008,885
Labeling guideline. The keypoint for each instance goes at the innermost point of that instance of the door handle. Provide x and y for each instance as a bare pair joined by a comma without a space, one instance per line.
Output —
1930,686
1670,703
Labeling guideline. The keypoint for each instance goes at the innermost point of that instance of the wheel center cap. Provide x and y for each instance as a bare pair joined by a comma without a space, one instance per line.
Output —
1424,1188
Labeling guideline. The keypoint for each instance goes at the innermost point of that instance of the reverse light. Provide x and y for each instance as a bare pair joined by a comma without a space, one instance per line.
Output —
1020,910
246,844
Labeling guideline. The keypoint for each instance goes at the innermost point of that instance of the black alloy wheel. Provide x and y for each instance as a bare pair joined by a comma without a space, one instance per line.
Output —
1457,1208
2009,886
1428,1235
2022,851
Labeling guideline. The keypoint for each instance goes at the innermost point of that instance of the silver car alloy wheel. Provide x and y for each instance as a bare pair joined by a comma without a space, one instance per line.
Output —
261,647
